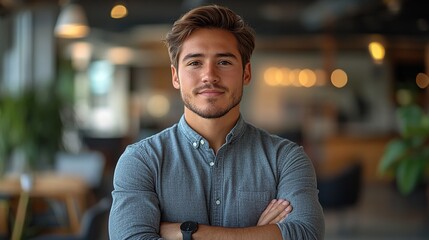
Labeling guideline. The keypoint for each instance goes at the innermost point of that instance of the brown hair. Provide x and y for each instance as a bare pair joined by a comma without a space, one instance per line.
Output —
212,16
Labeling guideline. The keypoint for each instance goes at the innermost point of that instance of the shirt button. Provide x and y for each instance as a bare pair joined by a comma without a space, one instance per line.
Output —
202,142
217,202
195,144
211,164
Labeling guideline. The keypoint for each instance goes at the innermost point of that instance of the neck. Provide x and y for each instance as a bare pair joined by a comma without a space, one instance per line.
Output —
214,130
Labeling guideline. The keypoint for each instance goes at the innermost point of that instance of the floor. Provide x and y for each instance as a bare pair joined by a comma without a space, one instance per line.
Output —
381,213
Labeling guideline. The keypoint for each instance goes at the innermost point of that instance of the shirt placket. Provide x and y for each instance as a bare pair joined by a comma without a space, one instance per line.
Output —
217,190
216,180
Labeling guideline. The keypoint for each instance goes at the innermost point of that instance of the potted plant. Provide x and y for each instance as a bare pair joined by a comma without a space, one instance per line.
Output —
406,157
30,126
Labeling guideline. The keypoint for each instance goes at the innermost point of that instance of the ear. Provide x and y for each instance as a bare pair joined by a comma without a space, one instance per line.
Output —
247,74
175,77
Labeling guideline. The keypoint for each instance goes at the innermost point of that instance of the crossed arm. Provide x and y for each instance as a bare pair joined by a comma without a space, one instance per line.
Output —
276,211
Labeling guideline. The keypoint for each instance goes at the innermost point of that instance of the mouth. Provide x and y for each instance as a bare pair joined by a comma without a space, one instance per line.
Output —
211,92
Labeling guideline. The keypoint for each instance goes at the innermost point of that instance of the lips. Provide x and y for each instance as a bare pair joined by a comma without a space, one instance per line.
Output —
211,92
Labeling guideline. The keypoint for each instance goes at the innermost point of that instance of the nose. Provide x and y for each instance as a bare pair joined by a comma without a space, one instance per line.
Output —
210,73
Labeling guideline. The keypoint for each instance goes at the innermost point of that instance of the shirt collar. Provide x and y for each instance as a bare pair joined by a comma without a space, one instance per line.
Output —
196,140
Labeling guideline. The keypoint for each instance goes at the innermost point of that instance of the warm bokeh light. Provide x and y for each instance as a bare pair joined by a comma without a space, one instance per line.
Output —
294,77
377,51
120,55
80,54
422,80
307,78
278,76
285,78
72,31
119,11
339,78
158,106
269,76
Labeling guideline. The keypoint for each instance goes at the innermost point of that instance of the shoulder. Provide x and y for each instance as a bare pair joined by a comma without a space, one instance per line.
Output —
150,147
284,150
157,140
272,140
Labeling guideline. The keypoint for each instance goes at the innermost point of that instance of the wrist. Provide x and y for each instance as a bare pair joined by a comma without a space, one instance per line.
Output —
187,229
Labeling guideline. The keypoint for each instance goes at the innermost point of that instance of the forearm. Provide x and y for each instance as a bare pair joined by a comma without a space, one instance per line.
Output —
276,211
266,232
171,231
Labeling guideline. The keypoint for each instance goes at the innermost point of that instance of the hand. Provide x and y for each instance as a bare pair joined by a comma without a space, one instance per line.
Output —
276,211
170,231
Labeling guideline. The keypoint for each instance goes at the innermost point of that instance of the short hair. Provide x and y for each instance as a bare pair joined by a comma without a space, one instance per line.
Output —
210,16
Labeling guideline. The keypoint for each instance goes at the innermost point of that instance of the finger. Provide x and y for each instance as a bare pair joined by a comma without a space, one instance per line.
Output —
269,207
279,217
262,218
283,215
277,209
289,209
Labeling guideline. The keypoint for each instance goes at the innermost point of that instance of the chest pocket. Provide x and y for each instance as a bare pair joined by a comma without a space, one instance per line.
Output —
250,207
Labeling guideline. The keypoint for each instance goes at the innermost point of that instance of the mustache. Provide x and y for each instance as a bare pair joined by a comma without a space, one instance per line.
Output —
210,86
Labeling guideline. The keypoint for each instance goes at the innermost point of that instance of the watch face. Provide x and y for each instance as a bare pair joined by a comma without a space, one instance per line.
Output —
189,226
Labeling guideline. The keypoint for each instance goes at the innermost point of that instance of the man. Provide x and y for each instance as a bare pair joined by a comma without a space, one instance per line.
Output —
212,175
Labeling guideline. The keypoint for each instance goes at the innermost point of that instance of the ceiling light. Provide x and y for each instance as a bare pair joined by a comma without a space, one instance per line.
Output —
377,51
119,11
72,22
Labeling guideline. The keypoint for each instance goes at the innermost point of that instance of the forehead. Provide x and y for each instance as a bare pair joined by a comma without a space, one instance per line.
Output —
209,41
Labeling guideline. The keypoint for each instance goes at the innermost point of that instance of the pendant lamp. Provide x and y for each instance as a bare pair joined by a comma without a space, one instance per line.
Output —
72,22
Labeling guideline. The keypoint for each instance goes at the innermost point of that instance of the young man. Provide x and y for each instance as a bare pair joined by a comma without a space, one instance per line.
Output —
212,175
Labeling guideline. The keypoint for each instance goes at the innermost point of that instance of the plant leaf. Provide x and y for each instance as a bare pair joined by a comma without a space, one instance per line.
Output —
395,149
408,174
410,120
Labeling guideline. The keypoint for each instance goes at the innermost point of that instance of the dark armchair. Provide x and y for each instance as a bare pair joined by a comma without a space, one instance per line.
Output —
341,190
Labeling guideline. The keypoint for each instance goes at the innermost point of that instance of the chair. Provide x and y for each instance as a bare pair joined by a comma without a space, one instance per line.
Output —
341,190
340,193
89,166
94,223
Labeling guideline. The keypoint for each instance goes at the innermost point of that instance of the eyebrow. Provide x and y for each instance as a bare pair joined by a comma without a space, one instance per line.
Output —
195,55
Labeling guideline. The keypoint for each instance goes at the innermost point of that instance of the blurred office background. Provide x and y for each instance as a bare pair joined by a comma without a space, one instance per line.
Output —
328,74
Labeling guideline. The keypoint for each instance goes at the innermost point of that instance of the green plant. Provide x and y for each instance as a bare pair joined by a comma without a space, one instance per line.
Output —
407,157
30,122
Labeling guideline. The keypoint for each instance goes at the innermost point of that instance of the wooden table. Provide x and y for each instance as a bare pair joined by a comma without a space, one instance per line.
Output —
72,190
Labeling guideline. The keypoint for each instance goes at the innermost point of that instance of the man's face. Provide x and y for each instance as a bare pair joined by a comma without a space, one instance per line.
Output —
210,73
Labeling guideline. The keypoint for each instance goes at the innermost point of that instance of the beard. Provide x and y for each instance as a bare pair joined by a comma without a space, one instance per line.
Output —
211,109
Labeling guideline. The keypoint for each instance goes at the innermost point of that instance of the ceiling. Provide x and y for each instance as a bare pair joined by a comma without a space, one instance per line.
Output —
268,17
280,17
285,23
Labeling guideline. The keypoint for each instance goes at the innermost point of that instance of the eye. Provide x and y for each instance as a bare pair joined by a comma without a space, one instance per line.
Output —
224,62
194,63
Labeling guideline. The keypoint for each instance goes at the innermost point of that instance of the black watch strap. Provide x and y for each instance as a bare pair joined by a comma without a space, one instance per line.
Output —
188,228
187,235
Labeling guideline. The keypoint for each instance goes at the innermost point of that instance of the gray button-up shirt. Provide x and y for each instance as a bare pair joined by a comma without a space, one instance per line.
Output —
175,176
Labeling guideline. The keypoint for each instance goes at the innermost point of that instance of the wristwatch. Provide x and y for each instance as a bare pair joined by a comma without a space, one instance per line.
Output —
188,228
